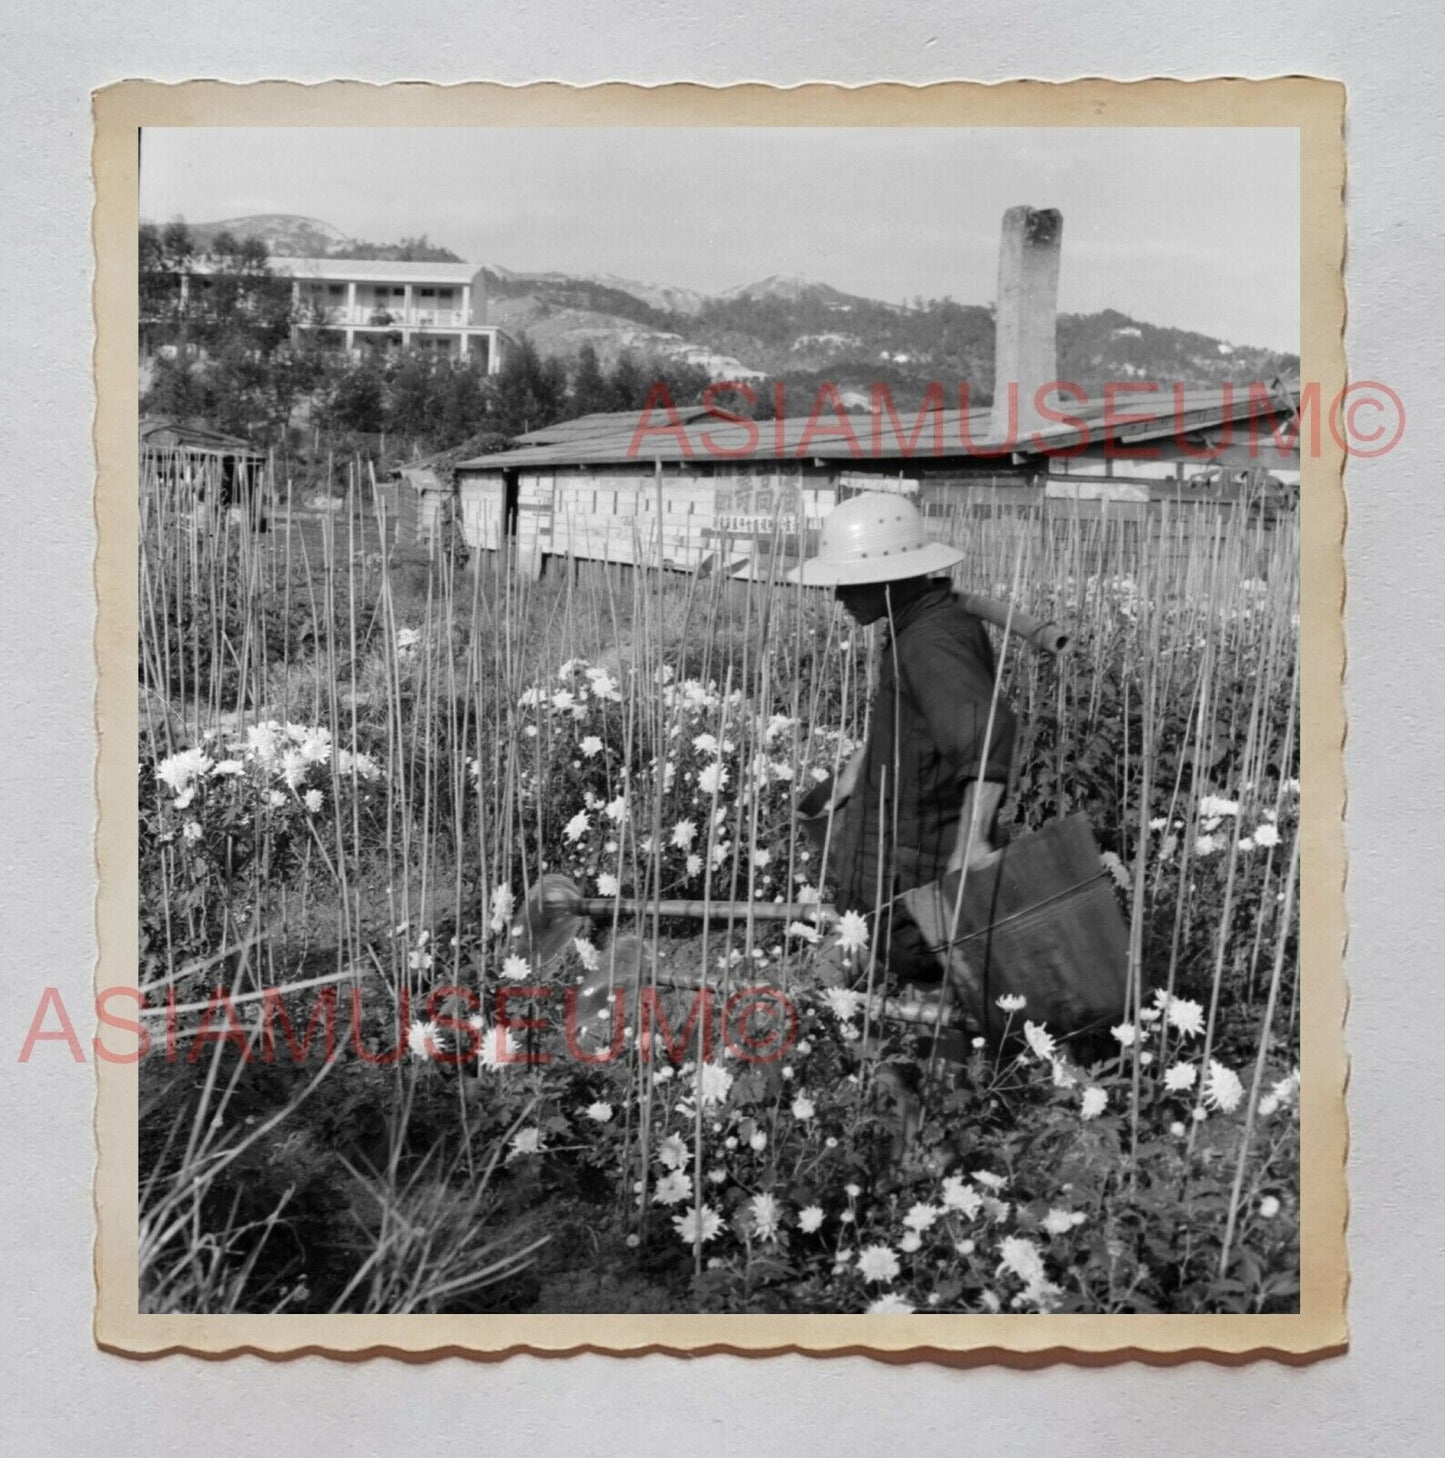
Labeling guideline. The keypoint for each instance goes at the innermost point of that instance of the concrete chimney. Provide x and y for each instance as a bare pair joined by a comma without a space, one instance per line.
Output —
1026,319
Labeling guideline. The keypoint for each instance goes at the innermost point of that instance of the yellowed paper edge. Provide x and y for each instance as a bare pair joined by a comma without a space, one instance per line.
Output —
1316,108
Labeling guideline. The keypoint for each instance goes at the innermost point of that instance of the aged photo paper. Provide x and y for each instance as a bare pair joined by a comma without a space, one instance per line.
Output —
464,693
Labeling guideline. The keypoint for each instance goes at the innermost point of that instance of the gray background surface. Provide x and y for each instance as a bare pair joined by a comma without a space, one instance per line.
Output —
61,1396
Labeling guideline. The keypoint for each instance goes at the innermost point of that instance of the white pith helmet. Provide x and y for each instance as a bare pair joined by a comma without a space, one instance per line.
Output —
873,537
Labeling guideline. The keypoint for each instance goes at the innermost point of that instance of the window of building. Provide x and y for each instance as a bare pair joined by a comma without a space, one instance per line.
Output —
428,293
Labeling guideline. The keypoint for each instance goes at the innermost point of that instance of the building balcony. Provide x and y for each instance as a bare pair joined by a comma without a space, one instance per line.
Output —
370,318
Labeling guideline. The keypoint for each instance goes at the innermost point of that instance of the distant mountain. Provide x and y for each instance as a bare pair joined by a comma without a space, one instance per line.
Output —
794,327
285,234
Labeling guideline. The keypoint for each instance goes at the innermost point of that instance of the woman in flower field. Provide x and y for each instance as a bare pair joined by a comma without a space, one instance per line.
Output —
921,796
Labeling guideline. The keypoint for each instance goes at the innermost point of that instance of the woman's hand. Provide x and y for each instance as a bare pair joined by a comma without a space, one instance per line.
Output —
980,804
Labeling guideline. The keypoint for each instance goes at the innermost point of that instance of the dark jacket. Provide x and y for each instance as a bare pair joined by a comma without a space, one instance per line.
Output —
935,686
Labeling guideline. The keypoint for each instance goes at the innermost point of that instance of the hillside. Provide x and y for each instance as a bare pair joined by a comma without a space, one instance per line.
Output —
793,327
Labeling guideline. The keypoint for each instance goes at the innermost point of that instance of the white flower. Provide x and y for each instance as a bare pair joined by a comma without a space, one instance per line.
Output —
516,969
316,746
1058,1222
1177,1129
1269,1207
1213,807
890,1305
704,1224
591,745
1222,1089
921,1216
842,1002
877,1263
499,1048
607,884
1180,1077
803,1108
1266,834
276,799
852,931
716,1081
603,684
421,1039
576,827
1187,1016
616,810
1206,845
705,744
1159,822
989,1179
683,834
1012,1002
1023,1258
694,865
1041,1042
810,1218
180,770
526,1141
767,1216
1093,1101
852,1191
313,799
911,1241
803,932
192,830
502,903
959,1195
229,767
1125,1034
673,1188
599,1113
758,1142
563,700
713,779
672,1152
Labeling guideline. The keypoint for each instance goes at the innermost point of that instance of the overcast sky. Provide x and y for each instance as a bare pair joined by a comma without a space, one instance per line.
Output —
1192,227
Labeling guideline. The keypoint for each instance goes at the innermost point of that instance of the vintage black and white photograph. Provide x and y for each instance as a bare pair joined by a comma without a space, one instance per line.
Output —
719,720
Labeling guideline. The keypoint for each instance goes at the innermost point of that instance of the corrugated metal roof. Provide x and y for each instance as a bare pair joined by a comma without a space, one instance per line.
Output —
703,439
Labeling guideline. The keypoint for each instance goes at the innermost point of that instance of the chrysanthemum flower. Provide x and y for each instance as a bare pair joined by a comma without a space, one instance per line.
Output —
1023,1258
516,968
910,1242
1266,834
1040,1041
1269,1207
600,1112
1180,1076
810,1219
1215,807
421,1039
672,1152
1093,1101
526,1141
716,1082
694,865
878,1263
767,1216
673,1188
1125,1034
713,779
842,1002
1186,1016
1058,1222
704,1223
921,1216
959,1195
1222,1089
852,932
607,884
1012,1002
804,932
683,834
576,827
313,800
705,743
591,745
989,1179
803,1108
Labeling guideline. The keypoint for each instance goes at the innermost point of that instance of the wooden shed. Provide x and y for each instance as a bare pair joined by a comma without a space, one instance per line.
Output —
194,469
689,489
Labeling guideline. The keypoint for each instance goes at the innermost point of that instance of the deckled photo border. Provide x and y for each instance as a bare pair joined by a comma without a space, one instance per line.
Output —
1316,108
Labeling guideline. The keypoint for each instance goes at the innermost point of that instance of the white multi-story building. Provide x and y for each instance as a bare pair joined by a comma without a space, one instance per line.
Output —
356,303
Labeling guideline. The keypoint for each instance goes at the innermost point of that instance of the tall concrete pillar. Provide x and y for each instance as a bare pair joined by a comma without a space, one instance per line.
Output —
1026,342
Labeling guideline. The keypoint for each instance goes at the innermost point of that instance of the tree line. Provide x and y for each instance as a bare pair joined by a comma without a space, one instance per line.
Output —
228,350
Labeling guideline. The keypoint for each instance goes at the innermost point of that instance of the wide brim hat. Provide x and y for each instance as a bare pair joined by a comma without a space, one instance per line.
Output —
874,537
